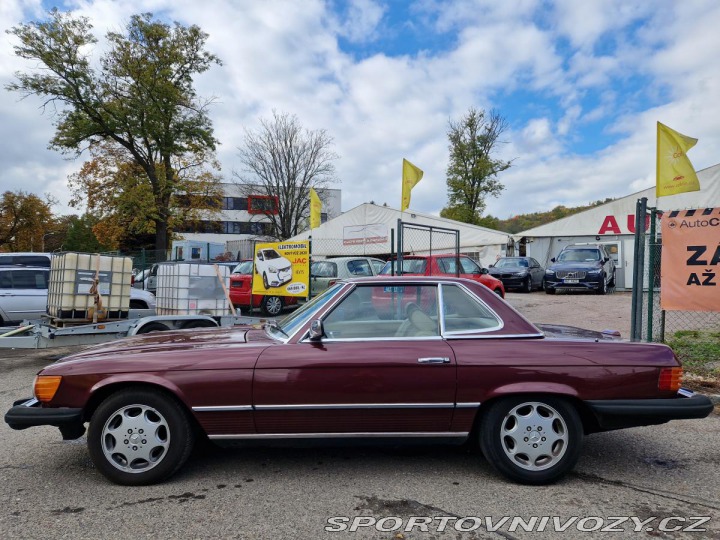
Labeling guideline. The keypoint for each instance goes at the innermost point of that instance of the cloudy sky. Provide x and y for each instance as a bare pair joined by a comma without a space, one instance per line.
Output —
580,83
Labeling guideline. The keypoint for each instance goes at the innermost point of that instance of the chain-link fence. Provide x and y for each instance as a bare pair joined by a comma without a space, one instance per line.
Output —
650,321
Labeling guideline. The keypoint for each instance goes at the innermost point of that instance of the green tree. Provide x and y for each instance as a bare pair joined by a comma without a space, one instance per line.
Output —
472,170
285,161
81,237
140,99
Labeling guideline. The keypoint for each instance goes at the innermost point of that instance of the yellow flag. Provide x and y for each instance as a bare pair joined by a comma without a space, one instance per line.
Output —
411,176
315,209
675,173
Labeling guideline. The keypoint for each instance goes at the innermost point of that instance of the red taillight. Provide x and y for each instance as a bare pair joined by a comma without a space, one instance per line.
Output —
332,282
670,379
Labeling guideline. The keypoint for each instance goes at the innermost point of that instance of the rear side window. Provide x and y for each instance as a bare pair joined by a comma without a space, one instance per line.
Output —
24,279
42,261
323,269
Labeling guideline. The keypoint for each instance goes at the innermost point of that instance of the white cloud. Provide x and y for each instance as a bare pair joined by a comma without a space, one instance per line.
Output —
285,55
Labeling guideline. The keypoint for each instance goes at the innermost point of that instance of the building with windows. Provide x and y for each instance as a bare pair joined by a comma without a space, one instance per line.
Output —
243,216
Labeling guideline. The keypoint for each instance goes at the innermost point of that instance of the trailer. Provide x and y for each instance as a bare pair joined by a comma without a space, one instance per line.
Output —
42,334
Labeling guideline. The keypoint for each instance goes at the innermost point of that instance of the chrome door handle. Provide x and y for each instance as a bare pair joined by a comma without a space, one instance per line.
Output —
435,360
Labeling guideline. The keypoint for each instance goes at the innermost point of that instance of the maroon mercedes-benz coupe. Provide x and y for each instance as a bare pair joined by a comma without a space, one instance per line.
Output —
448,359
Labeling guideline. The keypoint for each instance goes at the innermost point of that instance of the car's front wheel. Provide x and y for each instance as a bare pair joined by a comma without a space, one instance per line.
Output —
603,288
531,439
265,281
272,306
139,437
527,285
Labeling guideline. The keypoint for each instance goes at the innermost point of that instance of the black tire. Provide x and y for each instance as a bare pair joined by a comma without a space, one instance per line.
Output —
527,285
272,305
152,327
603,288
535,416
549,290
499,293
200,324
119,455
138,304
265,281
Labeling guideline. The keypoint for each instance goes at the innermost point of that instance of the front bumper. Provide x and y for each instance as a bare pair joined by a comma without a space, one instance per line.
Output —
27,413
625,413
588,283
281,278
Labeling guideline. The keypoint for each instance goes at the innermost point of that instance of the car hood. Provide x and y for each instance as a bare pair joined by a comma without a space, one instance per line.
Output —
576,265
172,349
507,269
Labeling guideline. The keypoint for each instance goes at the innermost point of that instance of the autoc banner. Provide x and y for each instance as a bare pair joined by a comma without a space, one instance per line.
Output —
690,268
282,269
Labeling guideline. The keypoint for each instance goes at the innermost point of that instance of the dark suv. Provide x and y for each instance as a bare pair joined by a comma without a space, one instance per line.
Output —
581,267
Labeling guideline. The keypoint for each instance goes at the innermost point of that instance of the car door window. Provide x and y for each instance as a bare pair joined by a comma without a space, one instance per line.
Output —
359,267
469,266
377,265
464,313
29,279
377,311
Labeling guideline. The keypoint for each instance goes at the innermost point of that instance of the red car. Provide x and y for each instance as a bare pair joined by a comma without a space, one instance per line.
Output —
445,265
455,363
242,297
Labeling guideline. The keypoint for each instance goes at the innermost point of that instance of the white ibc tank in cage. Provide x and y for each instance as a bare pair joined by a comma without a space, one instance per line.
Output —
192,289
71,278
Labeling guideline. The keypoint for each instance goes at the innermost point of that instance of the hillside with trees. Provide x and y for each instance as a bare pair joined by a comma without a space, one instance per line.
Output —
523,222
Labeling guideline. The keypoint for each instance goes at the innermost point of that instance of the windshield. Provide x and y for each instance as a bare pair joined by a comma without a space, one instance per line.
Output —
409,266
507,262
579,255
244,267
304,313
271,254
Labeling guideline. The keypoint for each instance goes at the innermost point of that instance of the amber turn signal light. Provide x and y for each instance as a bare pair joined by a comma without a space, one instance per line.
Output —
670,378
46,386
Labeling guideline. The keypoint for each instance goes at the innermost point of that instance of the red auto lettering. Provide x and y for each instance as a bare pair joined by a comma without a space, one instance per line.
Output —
609,225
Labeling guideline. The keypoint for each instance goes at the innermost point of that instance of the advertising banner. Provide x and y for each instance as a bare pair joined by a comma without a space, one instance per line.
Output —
690,268
282,269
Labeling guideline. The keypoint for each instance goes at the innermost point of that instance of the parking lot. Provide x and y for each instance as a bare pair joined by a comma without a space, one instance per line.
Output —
646,475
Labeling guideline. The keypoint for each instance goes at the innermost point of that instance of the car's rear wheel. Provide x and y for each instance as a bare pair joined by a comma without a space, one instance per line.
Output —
531,439
527,285
139,437
152,327
272,305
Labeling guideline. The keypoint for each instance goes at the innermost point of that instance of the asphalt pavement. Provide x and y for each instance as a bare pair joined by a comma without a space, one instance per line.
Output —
636,483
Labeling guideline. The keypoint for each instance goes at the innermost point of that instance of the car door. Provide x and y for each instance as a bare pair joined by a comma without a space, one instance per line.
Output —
537,272
23,293
321,273
367,375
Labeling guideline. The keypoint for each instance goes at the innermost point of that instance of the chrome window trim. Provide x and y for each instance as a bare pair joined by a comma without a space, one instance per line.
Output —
349,435
496,336
498,318
397,338
336,406
223,408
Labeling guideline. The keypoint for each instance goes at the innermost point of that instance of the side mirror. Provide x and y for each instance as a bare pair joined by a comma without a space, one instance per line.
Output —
484,271
491,266
316,329
552,260
606,259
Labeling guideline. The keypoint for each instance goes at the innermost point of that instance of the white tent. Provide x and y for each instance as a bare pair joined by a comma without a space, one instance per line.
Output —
366,230
613,224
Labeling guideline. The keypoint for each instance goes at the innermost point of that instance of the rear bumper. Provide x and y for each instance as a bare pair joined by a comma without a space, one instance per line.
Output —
624,413
27,413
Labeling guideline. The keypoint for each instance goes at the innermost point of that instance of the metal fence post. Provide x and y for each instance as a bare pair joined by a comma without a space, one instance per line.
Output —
638,270
651,273
398,259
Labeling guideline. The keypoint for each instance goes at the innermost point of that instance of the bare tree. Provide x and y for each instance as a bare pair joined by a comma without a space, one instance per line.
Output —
285,161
